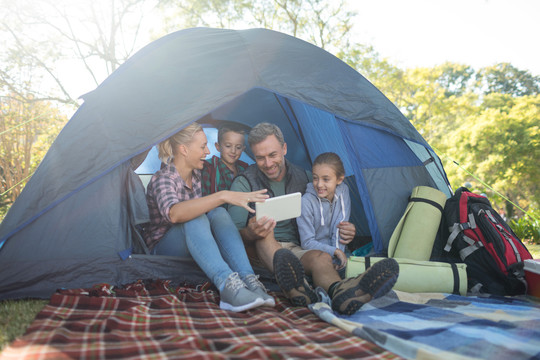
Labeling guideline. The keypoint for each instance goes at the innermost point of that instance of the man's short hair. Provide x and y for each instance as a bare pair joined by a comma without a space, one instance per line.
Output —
262,130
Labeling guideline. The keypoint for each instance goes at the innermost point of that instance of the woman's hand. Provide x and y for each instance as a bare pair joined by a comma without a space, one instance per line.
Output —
243,199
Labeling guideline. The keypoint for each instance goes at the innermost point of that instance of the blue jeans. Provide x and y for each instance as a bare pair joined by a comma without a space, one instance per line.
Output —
213,241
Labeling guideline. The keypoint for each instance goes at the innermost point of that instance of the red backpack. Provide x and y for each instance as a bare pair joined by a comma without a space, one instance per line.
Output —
479,237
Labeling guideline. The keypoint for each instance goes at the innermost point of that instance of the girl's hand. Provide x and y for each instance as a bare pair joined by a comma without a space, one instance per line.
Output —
340,255
347,231
243,199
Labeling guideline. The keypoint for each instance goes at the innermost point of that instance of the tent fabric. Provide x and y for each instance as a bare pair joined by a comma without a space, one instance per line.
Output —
84,201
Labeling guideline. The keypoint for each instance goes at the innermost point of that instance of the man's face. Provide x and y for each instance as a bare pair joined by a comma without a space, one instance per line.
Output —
270,157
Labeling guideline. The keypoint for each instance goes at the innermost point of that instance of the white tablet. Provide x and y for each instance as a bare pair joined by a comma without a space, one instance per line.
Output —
280,207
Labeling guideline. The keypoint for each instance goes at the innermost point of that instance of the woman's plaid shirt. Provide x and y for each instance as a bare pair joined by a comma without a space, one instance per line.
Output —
165,189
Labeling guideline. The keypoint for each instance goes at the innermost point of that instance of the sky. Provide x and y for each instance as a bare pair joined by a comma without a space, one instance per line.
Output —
426,33
480,33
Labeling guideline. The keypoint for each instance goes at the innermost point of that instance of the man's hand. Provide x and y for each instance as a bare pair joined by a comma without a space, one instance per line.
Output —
347,231
256,230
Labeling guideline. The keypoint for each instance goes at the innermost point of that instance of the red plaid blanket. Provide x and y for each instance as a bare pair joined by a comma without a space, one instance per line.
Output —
153,320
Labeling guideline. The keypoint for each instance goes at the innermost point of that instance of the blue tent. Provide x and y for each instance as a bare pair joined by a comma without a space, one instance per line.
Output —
74,224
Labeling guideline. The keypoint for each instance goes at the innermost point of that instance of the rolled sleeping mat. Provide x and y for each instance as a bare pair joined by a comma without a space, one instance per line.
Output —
415,233
418,276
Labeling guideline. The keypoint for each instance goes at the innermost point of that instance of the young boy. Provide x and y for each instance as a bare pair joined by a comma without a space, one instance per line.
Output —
218,173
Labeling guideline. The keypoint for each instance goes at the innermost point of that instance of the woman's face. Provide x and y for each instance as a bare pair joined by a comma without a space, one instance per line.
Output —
197,150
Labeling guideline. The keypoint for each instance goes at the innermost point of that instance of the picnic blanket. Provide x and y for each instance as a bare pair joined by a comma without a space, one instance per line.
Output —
443,326
156,320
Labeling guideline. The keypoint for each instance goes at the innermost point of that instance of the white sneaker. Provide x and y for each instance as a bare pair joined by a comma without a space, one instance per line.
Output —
237,297
255,285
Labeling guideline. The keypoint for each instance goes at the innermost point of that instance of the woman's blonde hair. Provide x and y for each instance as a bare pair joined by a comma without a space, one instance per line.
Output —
167,148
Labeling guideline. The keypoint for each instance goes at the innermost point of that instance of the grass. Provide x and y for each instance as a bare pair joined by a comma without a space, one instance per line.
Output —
534,249
17,315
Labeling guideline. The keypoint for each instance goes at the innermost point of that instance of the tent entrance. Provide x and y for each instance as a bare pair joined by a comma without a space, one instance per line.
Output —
308,132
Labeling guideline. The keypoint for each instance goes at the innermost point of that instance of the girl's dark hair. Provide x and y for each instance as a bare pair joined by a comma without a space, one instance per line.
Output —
332,159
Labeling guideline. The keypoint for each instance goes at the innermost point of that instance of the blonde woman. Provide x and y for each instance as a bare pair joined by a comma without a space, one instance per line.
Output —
184,223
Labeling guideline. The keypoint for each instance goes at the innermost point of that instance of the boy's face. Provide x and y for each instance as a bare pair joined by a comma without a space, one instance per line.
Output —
231,147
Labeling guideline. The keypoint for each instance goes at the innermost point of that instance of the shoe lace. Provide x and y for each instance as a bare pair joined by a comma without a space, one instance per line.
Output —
253,282
234,282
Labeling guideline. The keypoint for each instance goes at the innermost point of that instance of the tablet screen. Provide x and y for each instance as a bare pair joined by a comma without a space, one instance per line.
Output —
280,207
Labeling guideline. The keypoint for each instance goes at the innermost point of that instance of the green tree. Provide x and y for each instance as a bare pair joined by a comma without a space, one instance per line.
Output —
91,37
504,78
435,99
455,79
27,128
41,39
501,146
388,78
322,22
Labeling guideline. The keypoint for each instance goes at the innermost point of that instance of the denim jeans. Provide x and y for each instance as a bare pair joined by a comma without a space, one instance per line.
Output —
213,241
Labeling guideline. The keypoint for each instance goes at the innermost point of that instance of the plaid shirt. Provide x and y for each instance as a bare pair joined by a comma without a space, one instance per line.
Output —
165,189
216,176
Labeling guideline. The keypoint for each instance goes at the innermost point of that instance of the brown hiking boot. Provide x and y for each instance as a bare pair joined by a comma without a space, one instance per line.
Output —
351,293
289,274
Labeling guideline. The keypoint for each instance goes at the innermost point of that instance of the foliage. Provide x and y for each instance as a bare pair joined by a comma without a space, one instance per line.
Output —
527,227
506,79
15,316
321,22
41,38
498,144
388,78
534,249
492,137
27,129
91,37
486,120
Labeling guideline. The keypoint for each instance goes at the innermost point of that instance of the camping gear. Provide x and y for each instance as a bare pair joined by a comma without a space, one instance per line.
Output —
442,326
415,233
479,237
532,276
418,276
77,221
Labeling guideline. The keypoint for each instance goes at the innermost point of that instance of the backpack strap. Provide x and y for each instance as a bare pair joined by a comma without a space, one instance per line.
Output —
473,246
503,232
457,228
